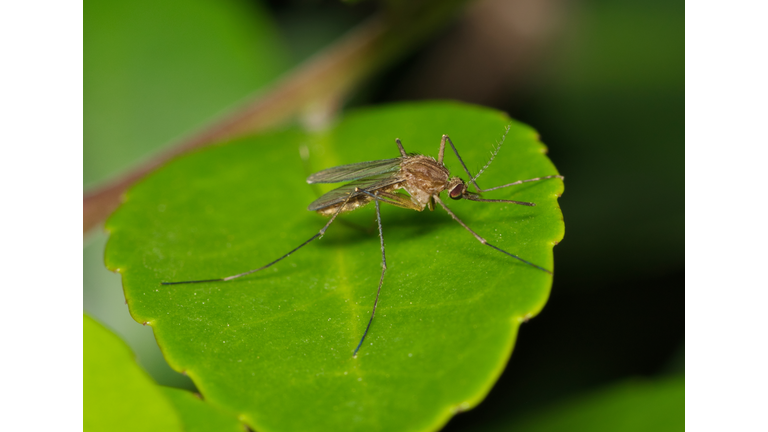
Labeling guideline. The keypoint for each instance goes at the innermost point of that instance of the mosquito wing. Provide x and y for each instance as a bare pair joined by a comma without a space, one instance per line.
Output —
340,194
355,171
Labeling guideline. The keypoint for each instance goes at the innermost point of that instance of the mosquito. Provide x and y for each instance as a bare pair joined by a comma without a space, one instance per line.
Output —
422,177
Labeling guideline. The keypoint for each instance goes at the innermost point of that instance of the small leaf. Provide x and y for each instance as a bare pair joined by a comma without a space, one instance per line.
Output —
117,394
629,406
277,346
199,416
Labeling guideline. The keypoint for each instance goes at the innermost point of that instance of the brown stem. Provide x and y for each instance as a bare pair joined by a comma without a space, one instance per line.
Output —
332,73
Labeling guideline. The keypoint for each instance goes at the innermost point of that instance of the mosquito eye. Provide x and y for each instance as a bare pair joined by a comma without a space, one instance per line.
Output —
457,191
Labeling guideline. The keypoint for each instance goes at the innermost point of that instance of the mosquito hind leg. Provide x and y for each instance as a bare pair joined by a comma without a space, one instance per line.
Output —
383,269
482,240
397,200
229,278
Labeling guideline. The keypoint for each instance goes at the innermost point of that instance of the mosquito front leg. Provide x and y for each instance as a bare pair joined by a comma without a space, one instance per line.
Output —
442,150
493,155
482,240
475,197
383,269
229,278
520,182
400,147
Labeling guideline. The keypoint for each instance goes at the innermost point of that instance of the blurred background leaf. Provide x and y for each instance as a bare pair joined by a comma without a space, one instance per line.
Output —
198,416
628,406
117,394
155,70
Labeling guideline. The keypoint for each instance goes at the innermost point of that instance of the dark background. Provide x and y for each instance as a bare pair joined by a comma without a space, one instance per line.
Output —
603,83
605,89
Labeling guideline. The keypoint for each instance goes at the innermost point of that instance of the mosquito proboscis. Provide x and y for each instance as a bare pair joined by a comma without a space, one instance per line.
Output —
422,177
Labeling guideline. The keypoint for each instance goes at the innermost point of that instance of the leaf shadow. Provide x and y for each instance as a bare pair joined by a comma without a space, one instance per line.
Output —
406,225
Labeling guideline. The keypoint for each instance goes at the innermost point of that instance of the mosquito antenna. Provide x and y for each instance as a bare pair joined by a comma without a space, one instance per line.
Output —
493,155
229,278
473,197
482,240
383,269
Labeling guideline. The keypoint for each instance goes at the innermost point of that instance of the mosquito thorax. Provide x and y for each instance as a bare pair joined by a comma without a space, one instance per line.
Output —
456,188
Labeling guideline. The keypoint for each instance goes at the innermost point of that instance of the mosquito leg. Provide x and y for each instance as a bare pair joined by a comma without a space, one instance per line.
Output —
398,200
229,278
520,182
482,240
383,269
442,148
475,197
493,155
400,147
304,154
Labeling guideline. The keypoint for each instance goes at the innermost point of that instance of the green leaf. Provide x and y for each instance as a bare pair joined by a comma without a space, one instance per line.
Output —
629,406
199,416
277,346
117,394
155,70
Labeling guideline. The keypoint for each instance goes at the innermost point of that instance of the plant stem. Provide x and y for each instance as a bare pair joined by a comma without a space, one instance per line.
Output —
331,74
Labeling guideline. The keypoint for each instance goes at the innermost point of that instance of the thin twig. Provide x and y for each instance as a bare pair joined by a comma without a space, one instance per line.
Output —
332,73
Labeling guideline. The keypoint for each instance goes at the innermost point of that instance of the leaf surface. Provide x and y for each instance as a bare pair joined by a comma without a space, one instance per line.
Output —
277,346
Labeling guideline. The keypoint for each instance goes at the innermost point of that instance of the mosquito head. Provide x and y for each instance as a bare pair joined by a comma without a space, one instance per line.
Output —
456,188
